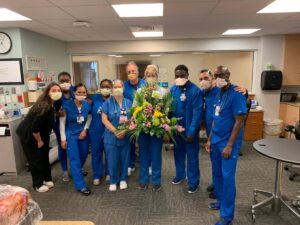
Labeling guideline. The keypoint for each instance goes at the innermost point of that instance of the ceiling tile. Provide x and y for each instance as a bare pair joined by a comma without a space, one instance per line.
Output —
43,13
145,21
24,3
191,9
77,2
96,11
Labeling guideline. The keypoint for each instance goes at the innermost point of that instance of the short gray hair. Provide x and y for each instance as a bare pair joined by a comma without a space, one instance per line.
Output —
118,81
134,64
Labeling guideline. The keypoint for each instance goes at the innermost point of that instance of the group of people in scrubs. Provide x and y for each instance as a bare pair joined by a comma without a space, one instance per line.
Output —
81,124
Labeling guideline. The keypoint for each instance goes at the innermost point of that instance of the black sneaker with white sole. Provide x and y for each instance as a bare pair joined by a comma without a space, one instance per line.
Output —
177,180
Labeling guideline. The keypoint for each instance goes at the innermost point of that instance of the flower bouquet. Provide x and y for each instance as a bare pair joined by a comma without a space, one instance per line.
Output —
149,114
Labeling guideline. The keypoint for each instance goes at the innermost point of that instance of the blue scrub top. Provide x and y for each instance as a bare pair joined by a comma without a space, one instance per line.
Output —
209,109
96,109
111,108
73,128
190,110
231,104
129,89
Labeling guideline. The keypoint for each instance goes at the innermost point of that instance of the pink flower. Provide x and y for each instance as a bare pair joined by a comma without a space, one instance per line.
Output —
149,110
148,124
166,127
132,126
180,128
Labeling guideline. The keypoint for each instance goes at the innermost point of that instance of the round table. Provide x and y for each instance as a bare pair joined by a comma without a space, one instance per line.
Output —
282,150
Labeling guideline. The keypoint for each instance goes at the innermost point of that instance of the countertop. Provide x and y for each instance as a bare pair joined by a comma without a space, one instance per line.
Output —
297,104
10,119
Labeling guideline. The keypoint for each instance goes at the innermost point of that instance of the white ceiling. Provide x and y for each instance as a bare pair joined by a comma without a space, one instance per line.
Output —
182,19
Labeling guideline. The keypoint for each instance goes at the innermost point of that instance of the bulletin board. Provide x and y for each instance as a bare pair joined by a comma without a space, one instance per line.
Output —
11,71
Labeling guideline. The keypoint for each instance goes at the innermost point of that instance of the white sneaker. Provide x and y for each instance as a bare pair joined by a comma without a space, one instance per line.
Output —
42,189
129,171
66,176
132,169
150,171
123,185
107,178
49,184
112,187
96,182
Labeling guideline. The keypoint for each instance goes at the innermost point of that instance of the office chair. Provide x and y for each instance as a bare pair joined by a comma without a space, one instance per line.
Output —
296,131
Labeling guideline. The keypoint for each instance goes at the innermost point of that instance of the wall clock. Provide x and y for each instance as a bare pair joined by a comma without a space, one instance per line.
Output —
5,43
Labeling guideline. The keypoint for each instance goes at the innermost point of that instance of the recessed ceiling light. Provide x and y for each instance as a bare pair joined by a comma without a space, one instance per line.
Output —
8,15
148,34
112,55
119,56
155,55
139,10
240,31
282,6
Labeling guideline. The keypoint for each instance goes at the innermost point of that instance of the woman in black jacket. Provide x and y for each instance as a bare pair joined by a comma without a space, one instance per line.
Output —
34,132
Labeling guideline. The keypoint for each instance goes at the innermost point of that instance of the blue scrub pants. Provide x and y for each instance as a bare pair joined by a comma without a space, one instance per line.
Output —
62,153
131,162
118,157
183,150
77,153
224,178
97,145
150,148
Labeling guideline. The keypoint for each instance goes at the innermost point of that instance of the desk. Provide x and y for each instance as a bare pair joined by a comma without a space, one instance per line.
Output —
281,150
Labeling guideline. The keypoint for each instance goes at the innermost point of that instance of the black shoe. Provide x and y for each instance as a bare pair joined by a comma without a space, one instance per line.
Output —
85,191
210,188
143,186
193,190
156,187
212,195
177,181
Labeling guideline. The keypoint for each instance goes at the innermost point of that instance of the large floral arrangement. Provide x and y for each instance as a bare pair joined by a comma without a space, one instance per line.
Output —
150,114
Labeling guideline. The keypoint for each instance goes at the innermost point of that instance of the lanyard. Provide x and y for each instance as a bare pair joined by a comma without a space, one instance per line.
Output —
222,100
121,109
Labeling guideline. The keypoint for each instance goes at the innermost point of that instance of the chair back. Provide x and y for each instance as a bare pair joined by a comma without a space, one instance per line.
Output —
297,130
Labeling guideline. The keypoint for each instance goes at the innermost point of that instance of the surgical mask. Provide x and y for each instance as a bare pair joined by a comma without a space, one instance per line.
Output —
55,95
65,86
80,97
132,76
118,91
221,82
152,81
105,91
205,84
180,81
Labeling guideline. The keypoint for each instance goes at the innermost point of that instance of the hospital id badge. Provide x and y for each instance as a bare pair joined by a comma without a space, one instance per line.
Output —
182,97
123,119
217,110
99,111
80,119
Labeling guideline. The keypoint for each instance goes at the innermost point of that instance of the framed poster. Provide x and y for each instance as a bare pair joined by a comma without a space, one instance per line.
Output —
11,71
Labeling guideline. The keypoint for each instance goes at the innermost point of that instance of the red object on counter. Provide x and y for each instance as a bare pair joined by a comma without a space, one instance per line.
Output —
20,99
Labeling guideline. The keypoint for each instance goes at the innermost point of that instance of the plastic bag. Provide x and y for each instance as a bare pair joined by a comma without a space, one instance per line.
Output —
16,207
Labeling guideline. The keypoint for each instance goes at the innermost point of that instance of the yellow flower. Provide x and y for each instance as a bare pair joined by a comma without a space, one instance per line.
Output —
155,122
137,110
145,104
157,114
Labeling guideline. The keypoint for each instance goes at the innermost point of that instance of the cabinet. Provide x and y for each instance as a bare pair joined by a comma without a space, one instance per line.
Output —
289,113
291,65
254,126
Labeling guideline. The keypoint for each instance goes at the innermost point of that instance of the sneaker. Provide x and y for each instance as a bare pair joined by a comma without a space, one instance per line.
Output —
143,186
66,176
210,188
214,206
150,171
123,185
132,169
42,189
112,187
107,178
129,171
96,182
212,195
223,222
193,190
49,184
85,191
156,187
177,181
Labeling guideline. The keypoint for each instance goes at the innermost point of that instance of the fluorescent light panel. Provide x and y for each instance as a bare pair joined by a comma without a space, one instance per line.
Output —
282,6
139,10
240,31
148,34
8,15
155,55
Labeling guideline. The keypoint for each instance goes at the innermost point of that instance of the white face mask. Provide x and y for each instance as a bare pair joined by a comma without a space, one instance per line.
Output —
132,76
221,82
105,91
205,84
180,81
152,81
65,86
80,97
55,95
118,91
